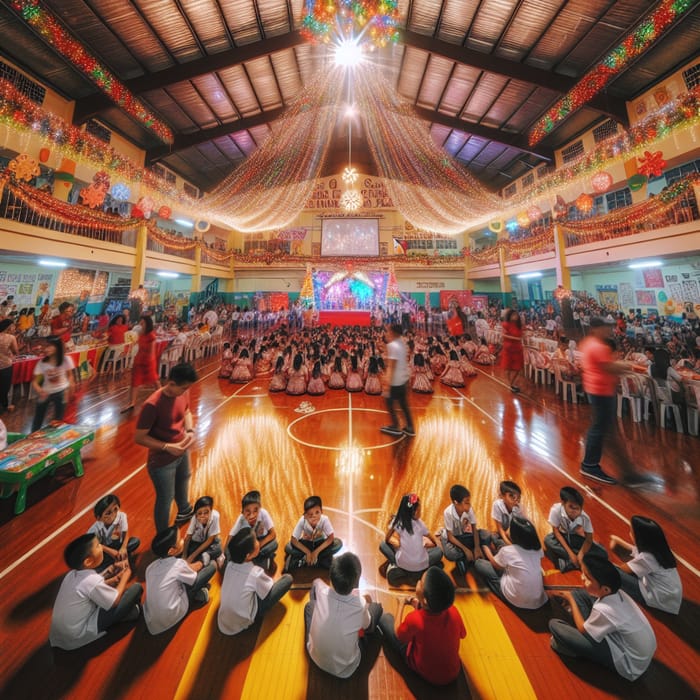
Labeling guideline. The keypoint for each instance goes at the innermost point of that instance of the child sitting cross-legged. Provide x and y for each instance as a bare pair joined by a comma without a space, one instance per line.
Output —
172,583
111,528
336,617
254,516
428,638
202,541
608,626
247,592
313,541
88,603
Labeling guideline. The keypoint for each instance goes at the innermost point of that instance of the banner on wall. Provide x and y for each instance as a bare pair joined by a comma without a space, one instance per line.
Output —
645,297
626,295
607,295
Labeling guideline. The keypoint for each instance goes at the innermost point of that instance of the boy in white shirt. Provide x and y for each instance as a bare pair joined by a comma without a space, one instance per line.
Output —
254,516
572,532
460,539
202,541
247,592
88,603
313,541
336,617
608,626
502,512
173,584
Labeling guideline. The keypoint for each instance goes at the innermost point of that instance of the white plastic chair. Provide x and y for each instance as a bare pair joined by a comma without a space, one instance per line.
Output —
566,385
114,356
630,390
692,402
665,403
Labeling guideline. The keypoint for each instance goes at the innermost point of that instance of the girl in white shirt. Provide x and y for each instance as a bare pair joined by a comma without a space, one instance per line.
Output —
411,556
53,382
515,573
651,576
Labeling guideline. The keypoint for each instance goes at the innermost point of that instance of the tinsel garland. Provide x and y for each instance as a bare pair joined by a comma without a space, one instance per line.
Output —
54,34
645,34
22,114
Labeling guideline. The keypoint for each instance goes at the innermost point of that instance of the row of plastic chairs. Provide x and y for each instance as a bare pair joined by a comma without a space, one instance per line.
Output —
643,393
544,370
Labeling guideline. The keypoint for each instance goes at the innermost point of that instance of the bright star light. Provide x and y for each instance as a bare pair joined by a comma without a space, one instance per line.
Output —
348,53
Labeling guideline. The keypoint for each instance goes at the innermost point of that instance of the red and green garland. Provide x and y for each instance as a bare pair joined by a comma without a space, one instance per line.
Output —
53,33
632,47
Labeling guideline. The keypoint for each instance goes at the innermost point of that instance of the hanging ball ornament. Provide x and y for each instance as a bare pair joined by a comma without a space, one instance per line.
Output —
584,203
601,182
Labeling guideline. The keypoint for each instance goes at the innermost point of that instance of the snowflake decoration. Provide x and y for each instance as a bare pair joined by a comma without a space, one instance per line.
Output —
652,164
351,200
23,167
120,192
350,175
93,196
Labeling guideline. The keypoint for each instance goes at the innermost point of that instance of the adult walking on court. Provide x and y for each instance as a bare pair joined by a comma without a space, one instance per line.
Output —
166,427
145,370
8,351
396,382
512,359
600,378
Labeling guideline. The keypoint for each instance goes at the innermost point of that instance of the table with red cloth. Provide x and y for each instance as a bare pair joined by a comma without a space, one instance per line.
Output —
84,359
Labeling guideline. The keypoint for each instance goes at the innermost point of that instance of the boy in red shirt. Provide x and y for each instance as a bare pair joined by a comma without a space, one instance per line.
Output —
428,638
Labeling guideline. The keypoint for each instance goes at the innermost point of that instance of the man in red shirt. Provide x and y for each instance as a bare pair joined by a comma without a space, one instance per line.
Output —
62,325
600,377
428,638
165,427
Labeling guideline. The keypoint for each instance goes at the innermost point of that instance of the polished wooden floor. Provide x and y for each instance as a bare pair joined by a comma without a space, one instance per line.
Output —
247,439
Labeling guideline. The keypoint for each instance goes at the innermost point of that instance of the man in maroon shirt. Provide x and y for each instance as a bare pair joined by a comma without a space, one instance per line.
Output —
165,427
62,324
428,638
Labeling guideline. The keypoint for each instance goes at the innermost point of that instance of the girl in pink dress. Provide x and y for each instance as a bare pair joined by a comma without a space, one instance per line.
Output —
144,370
512,359
279,378
373,385
466,366
226,362
337,378
483,355
422,378
316,386
298,377
437,360
243,368
353,381
452,376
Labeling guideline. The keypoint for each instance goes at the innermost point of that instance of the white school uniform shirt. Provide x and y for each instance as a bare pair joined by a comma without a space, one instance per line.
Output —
74,619
304,531
243,584
262,525
619,620
661,588
500,513
112,534
166,596
55,378
200,532
334,633
459,525
559,519
411,554
3,436
521,582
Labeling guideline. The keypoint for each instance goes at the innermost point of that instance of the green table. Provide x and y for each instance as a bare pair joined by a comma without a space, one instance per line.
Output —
28,458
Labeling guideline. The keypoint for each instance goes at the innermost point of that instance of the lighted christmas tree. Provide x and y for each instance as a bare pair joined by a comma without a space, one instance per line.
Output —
393,295
307,288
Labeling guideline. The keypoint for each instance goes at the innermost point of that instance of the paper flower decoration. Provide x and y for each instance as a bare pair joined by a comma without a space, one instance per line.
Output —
164,212
652,164
350,200
146,205
584,203
24,167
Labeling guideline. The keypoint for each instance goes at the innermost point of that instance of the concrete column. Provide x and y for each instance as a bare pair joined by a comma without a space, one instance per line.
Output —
563,272
197,274
138,274
505,280
468,282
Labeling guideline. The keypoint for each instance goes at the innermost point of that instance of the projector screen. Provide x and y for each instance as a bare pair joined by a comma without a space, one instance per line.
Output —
359,237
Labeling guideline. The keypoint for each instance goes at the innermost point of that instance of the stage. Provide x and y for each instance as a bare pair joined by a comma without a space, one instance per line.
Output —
345,318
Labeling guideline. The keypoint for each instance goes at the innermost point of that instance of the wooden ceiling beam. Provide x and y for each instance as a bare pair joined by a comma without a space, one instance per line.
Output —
88,107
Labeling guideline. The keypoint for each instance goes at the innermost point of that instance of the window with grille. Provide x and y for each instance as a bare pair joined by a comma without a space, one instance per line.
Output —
170,177
159,170
529,180
510,190
681,171
34,91
605,130
190,190
94,128
545,170
619,198
692,76
572,152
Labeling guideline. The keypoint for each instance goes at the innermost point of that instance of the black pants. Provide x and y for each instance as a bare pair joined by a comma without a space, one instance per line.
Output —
5,385
398,394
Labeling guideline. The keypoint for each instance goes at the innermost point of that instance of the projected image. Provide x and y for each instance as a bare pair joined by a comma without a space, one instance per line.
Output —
350,237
